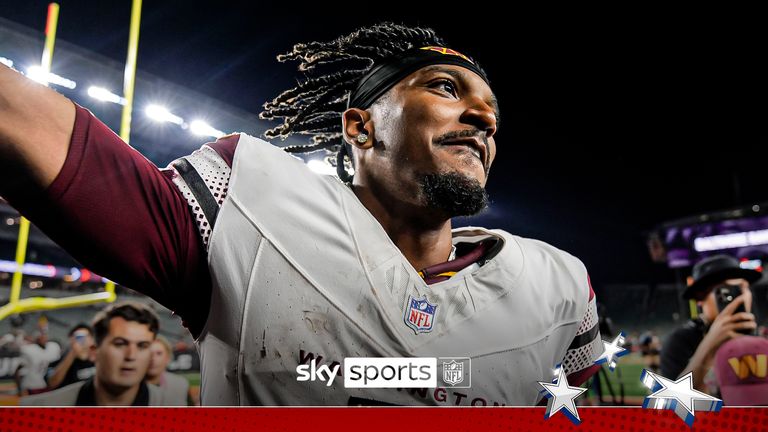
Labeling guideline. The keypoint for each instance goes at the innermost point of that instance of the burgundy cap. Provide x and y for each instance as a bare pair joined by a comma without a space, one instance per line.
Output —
741,366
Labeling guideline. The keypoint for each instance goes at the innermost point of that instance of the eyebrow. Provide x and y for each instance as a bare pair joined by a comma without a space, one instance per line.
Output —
459,76
122,339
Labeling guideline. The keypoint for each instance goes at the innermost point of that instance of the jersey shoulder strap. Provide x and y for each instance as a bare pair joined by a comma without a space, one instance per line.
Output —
203,179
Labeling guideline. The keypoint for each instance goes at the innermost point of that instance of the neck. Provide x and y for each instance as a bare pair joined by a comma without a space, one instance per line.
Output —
423,240
154,379
109,395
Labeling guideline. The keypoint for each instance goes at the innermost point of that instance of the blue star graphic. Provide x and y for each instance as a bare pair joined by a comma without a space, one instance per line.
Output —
612,351
562,395
679,396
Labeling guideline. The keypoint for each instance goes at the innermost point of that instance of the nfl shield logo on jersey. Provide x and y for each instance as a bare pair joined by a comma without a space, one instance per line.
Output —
453,372
420,314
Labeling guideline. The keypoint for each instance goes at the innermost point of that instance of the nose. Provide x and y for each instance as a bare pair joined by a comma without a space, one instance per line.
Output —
481,115
130,351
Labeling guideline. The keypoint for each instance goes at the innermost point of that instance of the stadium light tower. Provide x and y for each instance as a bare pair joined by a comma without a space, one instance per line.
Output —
39,74
199,127
103,94
161,114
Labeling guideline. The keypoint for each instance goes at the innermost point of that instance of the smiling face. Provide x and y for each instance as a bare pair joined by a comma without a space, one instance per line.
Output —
123,357
437,123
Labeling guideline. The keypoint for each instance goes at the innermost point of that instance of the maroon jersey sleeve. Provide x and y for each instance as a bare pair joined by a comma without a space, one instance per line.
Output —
121,216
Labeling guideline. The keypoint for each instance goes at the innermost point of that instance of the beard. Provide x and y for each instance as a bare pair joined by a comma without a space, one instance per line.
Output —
454,194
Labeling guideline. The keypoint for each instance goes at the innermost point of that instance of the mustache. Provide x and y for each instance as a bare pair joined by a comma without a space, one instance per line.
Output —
469,133
464,133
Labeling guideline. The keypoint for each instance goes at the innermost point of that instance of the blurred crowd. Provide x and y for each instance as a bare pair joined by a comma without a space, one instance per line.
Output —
117,359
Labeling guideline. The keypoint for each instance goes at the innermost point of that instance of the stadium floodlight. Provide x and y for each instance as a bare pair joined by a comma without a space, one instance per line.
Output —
161,114
103,94
321,167
30,269
6,61
199,127
36,73
731,241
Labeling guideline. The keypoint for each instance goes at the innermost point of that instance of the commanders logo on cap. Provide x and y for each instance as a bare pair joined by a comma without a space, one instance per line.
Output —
749,365
447,51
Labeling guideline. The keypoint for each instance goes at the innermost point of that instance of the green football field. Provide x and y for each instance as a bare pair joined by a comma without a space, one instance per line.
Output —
624,379
193,378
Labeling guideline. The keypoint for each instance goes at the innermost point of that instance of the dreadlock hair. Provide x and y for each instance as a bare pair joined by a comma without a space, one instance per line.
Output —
315,106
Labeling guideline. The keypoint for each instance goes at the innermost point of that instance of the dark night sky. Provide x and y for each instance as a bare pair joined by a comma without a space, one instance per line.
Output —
614,121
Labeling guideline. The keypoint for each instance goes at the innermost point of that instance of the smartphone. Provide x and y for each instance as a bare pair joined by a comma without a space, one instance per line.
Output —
725,294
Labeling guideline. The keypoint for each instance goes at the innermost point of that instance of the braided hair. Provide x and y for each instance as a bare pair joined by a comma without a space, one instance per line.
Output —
315,106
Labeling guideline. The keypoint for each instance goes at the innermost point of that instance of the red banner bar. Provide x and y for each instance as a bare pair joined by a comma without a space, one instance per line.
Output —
368,419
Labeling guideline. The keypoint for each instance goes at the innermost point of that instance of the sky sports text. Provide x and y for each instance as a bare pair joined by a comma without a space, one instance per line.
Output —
392,372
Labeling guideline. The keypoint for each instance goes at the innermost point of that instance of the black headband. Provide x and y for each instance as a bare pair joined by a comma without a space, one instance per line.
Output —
384,76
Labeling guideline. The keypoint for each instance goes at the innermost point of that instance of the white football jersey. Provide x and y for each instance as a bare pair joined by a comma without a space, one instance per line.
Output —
301,271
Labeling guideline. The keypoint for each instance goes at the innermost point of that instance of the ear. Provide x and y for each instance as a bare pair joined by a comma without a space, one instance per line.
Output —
92,353
356,121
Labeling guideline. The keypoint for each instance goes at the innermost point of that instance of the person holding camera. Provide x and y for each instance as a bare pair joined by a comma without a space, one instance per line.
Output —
721,288
76,365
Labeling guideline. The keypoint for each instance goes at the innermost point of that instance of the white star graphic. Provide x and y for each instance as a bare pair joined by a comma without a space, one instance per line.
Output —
679,396
561,395
612,351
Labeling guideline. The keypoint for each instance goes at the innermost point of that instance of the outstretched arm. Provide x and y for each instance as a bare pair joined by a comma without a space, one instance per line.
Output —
98,198
35,128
